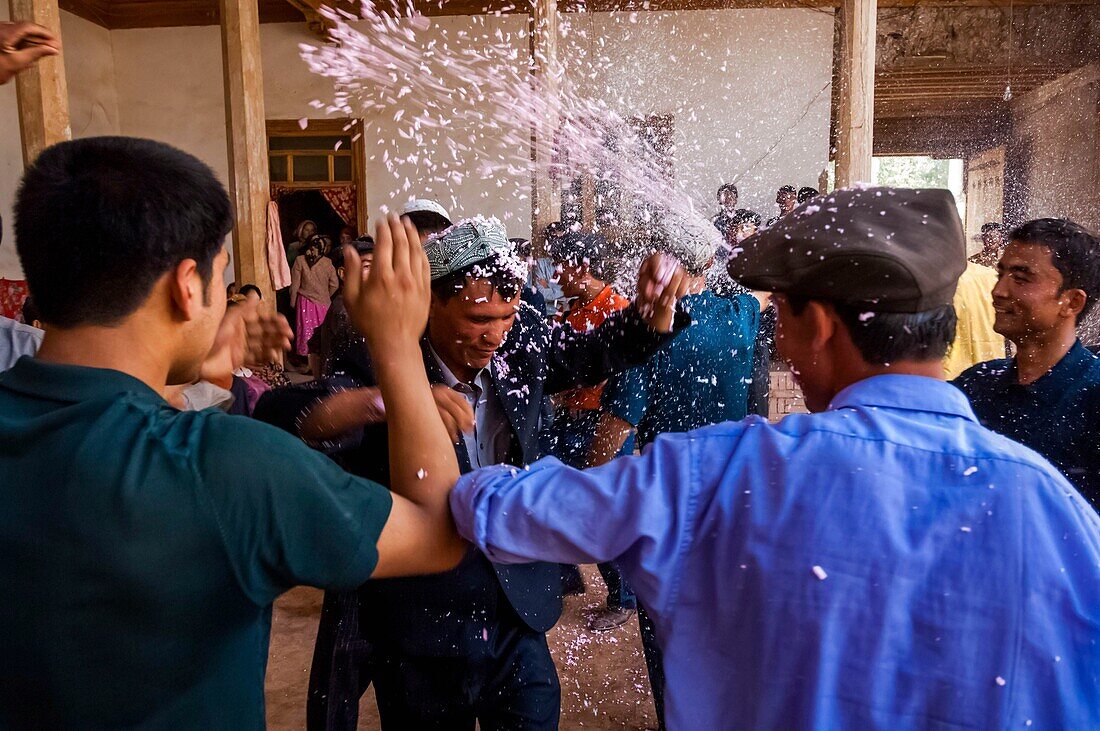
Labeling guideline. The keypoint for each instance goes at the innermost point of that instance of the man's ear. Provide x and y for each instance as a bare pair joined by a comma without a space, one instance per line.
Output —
821,321
1073,302
186,289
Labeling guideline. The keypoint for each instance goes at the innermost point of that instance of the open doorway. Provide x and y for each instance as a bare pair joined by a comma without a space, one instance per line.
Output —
302,205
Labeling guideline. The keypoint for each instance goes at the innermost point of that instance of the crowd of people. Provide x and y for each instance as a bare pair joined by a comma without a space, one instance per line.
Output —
480,420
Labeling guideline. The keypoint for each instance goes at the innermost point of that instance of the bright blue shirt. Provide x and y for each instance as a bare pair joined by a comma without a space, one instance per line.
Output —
699,377
888,563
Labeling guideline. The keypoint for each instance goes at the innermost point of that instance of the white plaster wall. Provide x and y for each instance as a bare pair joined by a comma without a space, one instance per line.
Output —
750,90
93,110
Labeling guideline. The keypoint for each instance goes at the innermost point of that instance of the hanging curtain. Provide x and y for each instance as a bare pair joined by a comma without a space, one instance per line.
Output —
276,254
12,294
342,200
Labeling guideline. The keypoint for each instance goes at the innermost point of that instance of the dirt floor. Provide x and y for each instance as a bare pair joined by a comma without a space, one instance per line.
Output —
603,678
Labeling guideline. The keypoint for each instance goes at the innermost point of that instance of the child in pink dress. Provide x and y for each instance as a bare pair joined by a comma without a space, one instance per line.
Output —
313,281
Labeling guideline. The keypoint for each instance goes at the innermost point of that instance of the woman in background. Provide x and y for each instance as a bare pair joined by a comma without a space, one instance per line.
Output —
306,230
313,281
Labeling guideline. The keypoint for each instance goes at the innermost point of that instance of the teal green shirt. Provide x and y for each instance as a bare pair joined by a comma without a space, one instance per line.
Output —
141,549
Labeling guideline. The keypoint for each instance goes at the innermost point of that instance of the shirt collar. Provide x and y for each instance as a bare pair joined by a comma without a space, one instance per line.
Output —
1076,360
449,378
69,382
909,393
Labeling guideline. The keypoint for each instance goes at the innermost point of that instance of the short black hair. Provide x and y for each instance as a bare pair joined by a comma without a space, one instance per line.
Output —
494,269
523,248
724,187
787,189
99,220
806,193
250,288
428,222
30,311
889,337
1074,252
993,226
746,216
363,245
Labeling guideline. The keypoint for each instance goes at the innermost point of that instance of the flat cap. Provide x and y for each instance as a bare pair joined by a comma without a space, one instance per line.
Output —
885,249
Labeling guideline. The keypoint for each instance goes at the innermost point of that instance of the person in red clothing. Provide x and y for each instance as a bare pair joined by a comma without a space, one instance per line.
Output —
577,259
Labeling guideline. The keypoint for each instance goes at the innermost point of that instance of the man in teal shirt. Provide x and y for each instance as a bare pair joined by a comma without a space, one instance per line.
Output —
141,548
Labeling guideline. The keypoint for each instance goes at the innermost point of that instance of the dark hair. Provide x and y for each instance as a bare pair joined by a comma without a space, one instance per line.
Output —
993,226
350,230
363,245
889,337
1074,252
554,229
250,288
746,216
428,222
724,187
504,280
786,189
99,220
806,193
30,312
523,248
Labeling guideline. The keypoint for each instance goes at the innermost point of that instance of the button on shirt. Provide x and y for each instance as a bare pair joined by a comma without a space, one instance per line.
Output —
489,442
141,549
1058,415
700,377
888,563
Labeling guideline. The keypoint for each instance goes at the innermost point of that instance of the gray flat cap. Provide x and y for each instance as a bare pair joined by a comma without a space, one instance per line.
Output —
886,249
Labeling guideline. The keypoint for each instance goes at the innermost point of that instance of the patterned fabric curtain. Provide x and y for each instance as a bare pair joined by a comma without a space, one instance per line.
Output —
342,200
12,294
278,191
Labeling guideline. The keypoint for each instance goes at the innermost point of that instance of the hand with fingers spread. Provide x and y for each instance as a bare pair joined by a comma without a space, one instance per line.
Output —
22,44
267,334
390,305
661,284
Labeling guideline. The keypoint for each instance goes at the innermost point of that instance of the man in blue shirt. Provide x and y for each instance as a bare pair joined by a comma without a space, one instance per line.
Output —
141,547
700,377
1048,395
884,562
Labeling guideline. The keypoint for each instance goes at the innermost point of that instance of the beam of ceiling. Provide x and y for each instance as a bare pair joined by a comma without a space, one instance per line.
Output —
118,14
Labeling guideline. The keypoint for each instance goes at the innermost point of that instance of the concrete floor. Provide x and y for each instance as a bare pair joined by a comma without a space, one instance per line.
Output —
603,677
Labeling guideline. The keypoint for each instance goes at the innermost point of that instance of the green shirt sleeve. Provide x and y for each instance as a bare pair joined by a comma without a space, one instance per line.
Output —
287,514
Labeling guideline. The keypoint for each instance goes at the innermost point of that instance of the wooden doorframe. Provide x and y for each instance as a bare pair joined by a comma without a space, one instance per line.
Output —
324,128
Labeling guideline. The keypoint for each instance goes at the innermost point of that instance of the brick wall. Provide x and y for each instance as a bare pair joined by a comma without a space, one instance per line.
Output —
785,397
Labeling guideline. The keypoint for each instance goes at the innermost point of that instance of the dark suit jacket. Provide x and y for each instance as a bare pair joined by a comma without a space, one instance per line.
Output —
450,613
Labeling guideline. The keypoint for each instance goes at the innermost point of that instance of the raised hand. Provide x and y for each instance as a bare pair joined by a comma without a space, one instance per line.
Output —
390,305
21,45
661,284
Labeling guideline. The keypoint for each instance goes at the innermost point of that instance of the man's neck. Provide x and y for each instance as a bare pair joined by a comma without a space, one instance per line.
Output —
462,372
113,348
1037,354
590,290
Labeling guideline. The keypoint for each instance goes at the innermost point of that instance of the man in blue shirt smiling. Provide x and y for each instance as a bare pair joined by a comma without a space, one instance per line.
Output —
884,562
1048,395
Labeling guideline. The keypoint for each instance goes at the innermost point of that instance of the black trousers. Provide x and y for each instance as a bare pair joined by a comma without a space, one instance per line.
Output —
509,685
340,672
654,662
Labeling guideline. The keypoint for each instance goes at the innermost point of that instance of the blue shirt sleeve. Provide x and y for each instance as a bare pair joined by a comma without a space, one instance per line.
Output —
625,395
638,511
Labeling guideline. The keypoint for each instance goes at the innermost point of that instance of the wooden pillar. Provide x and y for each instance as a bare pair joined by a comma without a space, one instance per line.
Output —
545,77
41,90
246,133
855,94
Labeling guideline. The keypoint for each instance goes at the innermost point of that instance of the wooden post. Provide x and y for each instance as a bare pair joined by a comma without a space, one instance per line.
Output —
856,93
41,90
246,133
545,77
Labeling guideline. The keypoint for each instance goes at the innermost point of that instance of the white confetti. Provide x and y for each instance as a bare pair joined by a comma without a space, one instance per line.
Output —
820,573
969,471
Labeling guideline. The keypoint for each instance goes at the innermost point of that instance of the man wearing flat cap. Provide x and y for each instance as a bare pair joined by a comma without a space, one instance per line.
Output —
884,562
470,644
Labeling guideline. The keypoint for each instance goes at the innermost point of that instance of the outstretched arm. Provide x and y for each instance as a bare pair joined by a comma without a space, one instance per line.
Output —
391,309
626,338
